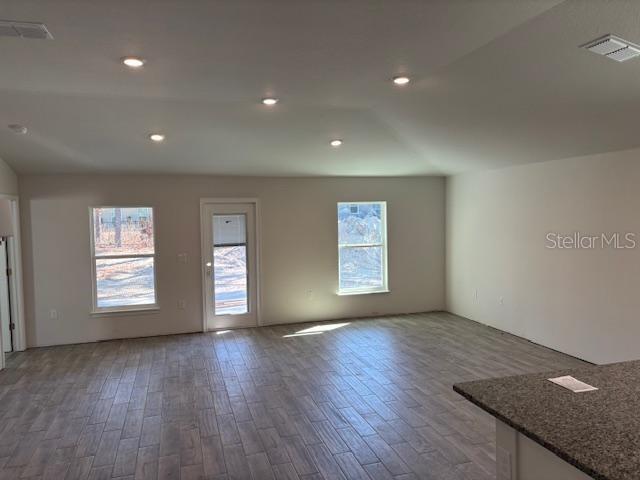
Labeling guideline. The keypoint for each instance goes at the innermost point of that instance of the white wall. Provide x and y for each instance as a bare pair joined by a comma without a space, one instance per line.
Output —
582,302
8,179
299,251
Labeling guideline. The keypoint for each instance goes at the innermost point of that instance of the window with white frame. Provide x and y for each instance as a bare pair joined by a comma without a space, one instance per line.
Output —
362,245
123,258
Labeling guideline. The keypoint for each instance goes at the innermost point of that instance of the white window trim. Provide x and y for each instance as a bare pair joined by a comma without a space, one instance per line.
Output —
148,307
385,247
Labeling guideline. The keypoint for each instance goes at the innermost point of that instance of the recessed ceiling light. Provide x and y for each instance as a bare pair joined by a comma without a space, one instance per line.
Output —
18,129
156,137
133,62
401,80
270,101
335,143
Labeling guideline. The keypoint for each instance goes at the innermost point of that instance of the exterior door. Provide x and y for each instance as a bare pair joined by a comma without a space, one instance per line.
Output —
229,264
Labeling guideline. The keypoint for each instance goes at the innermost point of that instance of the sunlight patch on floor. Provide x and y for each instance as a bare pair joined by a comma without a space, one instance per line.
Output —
318,329
299,334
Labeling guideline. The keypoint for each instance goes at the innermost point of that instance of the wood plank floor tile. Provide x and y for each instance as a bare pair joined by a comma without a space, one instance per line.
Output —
147,463
169,467
371,399
213,456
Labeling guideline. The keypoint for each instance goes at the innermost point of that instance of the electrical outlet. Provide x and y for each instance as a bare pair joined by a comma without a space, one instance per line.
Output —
53,314
181,304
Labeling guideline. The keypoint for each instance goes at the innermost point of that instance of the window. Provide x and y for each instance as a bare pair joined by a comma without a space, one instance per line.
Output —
362,245
123,258
230,264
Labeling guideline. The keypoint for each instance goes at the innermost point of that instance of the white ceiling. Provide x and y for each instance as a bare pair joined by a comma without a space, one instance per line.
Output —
496,82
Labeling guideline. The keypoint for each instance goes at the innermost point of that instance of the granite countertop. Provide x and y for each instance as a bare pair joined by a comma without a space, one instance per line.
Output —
598,432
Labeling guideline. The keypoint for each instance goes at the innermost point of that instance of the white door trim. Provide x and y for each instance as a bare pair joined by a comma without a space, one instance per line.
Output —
15,281
258,220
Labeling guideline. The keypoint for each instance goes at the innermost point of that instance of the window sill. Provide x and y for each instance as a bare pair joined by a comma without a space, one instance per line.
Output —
361,292
126,311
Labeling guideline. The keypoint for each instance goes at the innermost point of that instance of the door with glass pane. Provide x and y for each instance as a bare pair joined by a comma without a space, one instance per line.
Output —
229,256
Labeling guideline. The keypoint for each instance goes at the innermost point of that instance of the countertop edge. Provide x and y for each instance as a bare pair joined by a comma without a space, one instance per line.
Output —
557,452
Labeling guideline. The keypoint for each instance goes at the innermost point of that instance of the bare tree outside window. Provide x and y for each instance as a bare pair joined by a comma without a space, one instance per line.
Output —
117,222
123,258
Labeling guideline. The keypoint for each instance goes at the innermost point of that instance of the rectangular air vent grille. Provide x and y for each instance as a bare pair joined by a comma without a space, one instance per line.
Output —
624,54
11,28
607,46
614,48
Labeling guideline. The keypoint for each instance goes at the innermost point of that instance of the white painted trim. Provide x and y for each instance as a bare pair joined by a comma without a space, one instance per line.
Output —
229,200
110,311
258,227
128,310
346,293
385,253
258,232
15,281
20,335
203,272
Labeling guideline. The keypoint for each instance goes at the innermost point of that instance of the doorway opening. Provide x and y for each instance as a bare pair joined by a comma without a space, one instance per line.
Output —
12,328
6,318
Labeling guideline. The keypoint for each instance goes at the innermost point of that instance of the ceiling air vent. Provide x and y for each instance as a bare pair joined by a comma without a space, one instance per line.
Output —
614,48
11,28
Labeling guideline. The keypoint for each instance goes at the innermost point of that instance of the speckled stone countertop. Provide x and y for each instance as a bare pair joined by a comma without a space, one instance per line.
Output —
598,432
